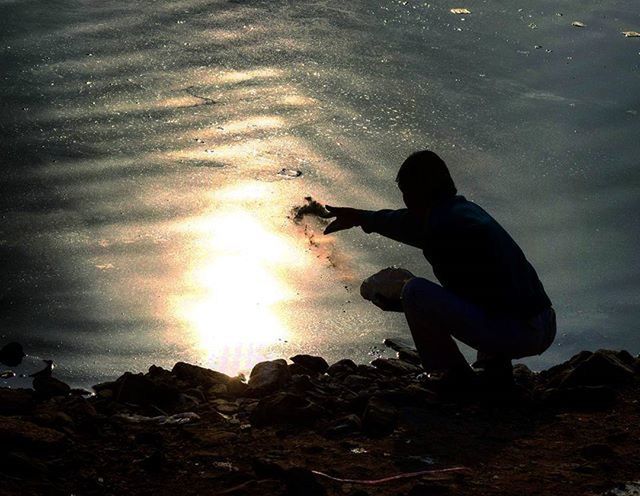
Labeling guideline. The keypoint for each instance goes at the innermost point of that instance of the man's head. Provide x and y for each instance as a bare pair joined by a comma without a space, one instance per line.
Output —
424,181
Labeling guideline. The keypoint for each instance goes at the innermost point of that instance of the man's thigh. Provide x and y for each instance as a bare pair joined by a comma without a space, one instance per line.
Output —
441,310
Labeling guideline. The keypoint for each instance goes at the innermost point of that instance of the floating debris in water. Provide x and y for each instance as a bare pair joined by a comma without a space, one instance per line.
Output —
578,24
290,173
7,374
312,207
460,11
631,34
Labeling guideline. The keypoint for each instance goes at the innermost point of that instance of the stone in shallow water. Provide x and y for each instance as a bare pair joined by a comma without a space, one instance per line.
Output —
12,354
396,366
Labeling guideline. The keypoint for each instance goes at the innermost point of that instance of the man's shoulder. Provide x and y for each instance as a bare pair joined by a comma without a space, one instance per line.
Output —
462,213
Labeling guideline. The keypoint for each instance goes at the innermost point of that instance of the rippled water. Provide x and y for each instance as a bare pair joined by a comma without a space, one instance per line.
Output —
144,219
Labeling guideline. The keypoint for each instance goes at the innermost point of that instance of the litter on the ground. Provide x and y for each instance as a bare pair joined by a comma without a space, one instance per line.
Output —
460,11
631,34
578,24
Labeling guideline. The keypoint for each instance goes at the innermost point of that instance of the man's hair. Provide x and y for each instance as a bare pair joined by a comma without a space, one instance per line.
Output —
425,173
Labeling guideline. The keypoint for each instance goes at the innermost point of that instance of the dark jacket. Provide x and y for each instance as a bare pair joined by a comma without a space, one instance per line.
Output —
471,255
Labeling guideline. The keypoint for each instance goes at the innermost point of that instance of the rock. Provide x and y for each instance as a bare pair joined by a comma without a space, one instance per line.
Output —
22,434
267,377
349,424
48,387
395,366
523,376
16,401
312,363
11,354
236,386
342,367
356,382
199,376
404,352
212,438
581,397
379,417
592,369
140,390
601,367
285,408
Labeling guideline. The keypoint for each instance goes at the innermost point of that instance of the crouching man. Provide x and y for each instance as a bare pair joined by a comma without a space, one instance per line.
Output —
489,296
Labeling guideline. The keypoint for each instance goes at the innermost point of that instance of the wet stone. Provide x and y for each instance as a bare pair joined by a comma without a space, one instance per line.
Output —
396,366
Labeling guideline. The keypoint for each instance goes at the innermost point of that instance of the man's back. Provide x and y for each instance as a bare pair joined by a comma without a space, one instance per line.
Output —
473,256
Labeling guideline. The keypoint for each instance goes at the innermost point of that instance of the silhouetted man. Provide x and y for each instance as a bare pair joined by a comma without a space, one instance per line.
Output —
490,296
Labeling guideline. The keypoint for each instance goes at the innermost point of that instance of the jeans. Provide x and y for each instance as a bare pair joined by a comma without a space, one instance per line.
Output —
435,315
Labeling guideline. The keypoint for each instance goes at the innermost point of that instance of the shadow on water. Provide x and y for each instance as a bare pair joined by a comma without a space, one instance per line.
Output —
132,133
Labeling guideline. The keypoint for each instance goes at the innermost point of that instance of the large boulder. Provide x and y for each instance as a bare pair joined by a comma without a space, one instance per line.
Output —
267,377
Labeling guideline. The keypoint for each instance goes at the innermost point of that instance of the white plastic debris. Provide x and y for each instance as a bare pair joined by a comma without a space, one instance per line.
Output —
460,11
578,24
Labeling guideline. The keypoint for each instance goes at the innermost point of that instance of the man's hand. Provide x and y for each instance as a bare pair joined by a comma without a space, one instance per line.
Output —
346,218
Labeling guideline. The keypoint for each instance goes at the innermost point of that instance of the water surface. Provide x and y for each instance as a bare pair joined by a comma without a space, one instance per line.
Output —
144,219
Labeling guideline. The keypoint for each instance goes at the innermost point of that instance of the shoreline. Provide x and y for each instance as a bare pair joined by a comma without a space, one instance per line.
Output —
307,427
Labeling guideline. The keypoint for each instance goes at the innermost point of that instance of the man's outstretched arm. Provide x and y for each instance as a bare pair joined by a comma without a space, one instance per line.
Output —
398,225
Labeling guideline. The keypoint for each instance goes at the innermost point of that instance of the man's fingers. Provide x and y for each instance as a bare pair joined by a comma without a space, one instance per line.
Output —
331,212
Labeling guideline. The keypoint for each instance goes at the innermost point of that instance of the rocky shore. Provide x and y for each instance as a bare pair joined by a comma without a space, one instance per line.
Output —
307,427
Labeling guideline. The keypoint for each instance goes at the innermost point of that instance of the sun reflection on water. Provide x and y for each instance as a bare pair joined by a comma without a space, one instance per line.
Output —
238,286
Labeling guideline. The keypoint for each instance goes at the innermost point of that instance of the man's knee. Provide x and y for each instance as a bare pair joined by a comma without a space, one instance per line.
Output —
417,294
